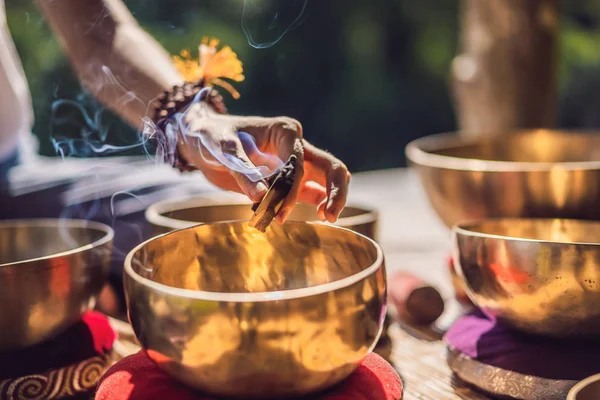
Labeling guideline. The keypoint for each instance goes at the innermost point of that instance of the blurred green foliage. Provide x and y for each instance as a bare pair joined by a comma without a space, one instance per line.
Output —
364,78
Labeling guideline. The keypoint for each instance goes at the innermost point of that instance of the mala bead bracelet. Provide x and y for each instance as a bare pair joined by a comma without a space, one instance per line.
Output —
172,102
180,96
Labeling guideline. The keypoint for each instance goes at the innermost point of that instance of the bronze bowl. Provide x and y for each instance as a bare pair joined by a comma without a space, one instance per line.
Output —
527,174
169,215
541,276
51,272
233,312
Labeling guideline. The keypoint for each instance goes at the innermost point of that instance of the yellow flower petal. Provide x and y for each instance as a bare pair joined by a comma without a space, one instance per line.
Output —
225,85
213,65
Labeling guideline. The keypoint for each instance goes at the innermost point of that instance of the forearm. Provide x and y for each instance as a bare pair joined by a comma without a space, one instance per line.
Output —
122,66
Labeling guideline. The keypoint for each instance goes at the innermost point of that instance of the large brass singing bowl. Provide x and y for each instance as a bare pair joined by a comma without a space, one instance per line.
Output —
541,276
529,174
169,215
51,272
233,312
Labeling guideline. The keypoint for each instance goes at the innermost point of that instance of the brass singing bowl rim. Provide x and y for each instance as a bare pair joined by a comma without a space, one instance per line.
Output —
108,236
420,152
468,228
580,386
256,297
154,214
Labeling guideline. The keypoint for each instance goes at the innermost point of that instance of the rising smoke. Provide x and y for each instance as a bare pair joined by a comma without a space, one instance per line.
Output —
263,22
266,22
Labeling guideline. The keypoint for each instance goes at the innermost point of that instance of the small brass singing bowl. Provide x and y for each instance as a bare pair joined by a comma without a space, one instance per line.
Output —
233,312
169,215
526,174
51,272
540,276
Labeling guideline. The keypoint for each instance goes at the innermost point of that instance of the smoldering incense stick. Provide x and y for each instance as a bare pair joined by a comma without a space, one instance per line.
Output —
265,211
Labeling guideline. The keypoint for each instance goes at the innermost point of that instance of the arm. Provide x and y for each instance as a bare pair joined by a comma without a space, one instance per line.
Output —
121,64
127,69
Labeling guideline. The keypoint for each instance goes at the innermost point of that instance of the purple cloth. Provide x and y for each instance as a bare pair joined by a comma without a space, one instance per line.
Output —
492,343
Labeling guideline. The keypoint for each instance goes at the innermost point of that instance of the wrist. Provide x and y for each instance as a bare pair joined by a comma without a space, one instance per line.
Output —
168,106
179,97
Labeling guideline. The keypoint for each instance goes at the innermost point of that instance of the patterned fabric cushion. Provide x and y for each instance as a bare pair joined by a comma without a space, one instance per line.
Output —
66,366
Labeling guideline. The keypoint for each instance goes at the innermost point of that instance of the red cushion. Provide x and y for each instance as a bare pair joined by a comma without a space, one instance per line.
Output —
67,365
138,378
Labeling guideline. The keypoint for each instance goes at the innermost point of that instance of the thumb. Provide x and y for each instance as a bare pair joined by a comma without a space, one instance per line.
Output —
254,188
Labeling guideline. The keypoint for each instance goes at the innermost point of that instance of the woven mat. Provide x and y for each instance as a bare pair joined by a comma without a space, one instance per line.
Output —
419,357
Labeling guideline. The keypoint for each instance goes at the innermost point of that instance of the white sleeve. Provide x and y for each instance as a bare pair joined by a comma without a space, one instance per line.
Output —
16,113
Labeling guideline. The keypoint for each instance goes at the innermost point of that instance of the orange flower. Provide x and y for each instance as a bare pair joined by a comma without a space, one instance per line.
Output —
213,65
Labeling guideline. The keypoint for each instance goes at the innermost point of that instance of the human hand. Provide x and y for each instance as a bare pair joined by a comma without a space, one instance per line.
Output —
320,179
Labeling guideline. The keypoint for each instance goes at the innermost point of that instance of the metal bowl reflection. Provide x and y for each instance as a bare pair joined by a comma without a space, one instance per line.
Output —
169,215
541,276
528,174
50,273
233,312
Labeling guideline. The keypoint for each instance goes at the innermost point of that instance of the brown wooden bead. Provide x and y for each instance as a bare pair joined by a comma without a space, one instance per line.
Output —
414,299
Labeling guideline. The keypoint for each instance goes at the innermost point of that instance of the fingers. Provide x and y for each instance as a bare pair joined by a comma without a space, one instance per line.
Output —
270,161
255,190
226,147
281,136
285,135
222,179
268,131
312,193
292,198
232,155
337,179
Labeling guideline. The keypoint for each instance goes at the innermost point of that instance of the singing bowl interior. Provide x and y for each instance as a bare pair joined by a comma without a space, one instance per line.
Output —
540,276
50,272
526,174
237,313
169,215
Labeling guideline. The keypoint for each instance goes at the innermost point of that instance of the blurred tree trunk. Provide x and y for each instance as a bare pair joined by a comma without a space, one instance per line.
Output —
504,77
